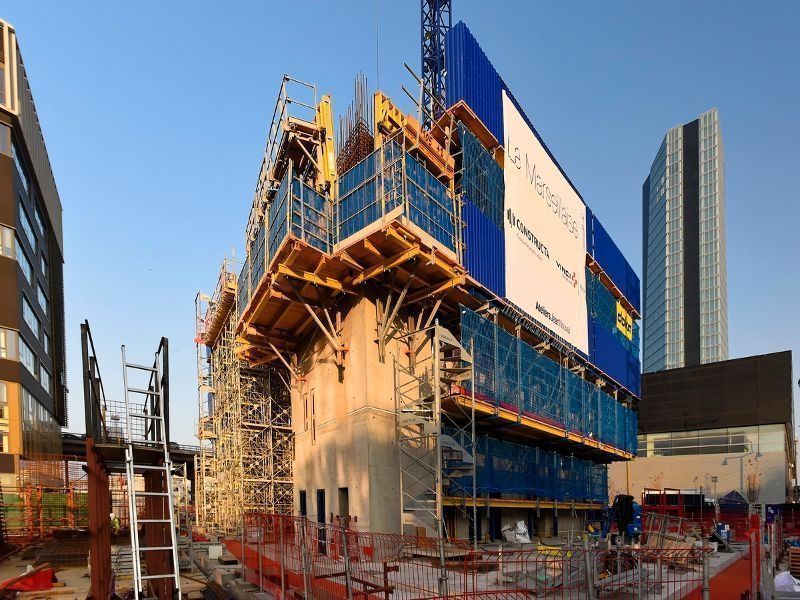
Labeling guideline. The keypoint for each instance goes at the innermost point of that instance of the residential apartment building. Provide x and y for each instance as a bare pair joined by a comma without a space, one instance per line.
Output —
684,258
33,393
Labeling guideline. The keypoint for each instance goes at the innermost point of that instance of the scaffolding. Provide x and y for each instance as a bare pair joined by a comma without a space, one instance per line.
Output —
437,448
204,466
244,424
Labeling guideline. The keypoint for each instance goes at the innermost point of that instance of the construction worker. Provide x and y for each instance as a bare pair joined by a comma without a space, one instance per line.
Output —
115,527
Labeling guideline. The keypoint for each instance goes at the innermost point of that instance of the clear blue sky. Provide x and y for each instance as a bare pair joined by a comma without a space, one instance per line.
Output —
155,116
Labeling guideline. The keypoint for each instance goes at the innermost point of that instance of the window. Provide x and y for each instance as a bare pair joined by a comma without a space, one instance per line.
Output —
7,242
303,504
43,266
40,431
4,402
25,221
5,130
23,174
24,264
8,344
46,342
42,299
27,357
46,380
37,216
30,317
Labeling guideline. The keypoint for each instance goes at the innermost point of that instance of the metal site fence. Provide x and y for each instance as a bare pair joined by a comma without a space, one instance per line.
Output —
32,512
289,556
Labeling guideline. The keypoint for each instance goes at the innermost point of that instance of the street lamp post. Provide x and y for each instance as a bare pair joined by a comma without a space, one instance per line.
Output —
741,468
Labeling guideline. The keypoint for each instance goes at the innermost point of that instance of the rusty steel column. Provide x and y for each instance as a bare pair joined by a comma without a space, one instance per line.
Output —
99,524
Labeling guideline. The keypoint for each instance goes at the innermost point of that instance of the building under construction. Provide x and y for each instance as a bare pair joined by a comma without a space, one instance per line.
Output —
244,428
408,345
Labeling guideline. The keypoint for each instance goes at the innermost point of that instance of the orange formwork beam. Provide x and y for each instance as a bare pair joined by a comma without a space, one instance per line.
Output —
534,425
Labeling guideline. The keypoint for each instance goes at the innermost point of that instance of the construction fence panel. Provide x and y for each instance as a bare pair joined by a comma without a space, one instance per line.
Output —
290,556
369,190
430,204
243,290
512,374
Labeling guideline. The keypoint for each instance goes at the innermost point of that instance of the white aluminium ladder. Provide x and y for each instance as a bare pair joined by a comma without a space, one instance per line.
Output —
153,435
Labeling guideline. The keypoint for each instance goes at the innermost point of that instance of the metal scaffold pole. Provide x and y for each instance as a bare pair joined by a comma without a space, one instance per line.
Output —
474,453
245,419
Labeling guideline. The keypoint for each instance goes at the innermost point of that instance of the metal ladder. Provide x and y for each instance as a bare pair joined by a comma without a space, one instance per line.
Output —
154,434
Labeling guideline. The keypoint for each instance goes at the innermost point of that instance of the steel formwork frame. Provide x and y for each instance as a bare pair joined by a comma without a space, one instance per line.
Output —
245,426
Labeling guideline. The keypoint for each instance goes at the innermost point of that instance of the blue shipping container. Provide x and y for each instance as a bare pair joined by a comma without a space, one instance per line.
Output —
634,375
613,262
484,249
589,235
633,290
472,78
610,356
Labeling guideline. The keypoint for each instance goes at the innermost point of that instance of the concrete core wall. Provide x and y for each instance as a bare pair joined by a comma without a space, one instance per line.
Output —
344,425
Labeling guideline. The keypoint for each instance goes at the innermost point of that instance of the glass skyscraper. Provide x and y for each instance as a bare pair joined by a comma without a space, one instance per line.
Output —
685,275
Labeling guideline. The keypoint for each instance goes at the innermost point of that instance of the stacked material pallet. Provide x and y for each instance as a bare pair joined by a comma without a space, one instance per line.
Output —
794,561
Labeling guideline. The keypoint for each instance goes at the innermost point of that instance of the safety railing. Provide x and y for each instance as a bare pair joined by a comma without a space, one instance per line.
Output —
512,374
390,179
530,472
287,556
296,211
32,512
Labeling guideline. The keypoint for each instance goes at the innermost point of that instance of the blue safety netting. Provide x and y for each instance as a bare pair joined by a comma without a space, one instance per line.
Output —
481,176
517,470
512,374
298,209
388,178
369,189
602,307
243,287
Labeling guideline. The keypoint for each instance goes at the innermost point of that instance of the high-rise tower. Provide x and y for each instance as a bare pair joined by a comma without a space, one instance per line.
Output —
685,274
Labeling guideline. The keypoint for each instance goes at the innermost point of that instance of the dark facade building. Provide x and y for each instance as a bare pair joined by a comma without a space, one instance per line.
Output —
33,393
718,426
684,258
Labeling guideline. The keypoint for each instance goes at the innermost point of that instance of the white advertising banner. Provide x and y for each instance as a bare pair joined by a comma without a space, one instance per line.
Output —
545,235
